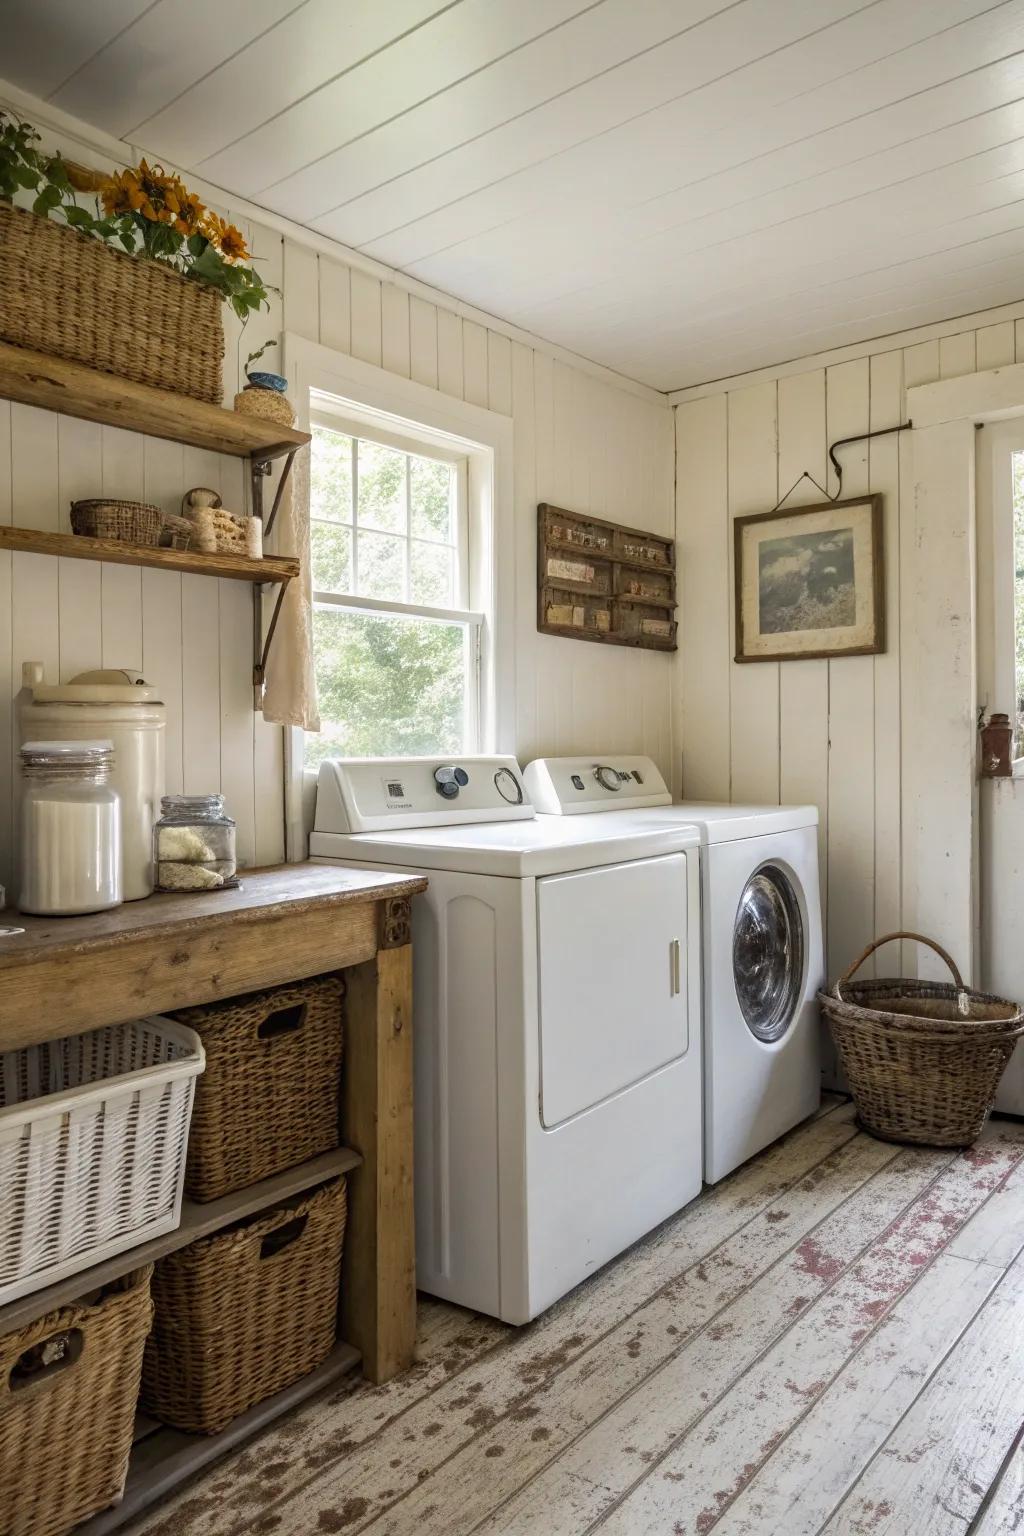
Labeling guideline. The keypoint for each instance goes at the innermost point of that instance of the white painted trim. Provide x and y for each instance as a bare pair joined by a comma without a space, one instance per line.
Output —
89,142
997,395
409,610
954,325
486,439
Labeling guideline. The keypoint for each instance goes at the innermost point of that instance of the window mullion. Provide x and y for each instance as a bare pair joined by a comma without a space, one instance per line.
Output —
408,528
354,510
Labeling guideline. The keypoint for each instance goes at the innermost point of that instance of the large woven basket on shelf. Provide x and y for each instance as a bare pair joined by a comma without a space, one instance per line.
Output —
68,1387
71,296
242,1314
923,1058
269,1096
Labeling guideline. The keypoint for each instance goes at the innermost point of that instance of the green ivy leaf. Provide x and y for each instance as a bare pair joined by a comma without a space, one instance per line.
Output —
80,218
47,200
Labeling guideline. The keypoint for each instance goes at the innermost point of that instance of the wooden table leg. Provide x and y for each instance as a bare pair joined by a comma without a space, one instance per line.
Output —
378,1299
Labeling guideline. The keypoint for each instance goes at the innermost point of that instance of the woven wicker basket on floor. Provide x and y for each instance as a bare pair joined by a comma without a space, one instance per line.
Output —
66,1426
269,1096
242,1314
133,522
69,295
923,1058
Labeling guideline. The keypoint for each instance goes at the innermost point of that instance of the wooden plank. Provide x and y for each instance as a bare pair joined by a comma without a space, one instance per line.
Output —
714,1459
167,1458
378,1294
366,317
423,342
600,1310
814,1467
79,474
75,547
803,685
197,1220
995,345
958,354
1003,1515
56,385
851,787
474,362
932,1472
702,532
753,687
394,322
335,306
612,1406
886,385
449,354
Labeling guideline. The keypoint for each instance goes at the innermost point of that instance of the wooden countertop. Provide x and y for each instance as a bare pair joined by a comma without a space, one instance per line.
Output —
63,975
282,890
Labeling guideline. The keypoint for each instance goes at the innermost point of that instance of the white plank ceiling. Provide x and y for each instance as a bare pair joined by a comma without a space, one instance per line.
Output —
680,189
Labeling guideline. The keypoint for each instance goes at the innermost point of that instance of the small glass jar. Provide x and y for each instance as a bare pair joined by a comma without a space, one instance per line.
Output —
194,844
70,829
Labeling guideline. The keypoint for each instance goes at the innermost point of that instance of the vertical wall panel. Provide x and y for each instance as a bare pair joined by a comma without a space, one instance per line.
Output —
704,560
6,669
395,330
301,292
754,686
366,317
335,306
79,582
474,362
957,355
803,685
884,478
995,345
423,341
449,354
851,790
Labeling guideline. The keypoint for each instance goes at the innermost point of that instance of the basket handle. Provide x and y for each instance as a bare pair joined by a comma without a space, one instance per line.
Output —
28,1374
283,1236
887,938
283,1021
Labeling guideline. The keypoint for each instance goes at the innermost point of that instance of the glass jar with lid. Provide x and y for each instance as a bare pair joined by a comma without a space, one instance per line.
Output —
194,844
70,829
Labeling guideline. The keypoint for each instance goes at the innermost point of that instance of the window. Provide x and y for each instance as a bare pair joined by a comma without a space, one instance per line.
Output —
1000,575
1017,715
396,646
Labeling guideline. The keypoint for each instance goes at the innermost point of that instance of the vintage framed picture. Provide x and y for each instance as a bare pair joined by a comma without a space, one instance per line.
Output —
810,581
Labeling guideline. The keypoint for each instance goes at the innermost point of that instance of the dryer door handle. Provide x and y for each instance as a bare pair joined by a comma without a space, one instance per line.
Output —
674,964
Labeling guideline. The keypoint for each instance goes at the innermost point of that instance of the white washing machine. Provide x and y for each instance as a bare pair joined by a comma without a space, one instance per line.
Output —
556,1022
762,949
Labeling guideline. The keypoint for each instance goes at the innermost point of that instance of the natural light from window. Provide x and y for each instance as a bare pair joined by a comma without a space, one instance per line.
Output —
395,648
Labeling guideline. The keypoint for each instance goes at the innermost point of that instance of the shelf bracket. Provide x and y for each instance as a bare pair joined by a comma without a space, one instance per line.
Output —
259,470
260,644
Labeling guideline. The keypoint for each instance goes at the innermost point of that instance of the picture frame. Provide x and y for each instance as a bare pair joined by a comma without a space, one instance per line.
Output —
810,581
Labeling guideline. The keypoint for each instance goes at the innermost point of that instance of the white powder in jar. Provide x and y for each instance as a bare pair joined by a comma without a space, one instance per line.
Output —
70,848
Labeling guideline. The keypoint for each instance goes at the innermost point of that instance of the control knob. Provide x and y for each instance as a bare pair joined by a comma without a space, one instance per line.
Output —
449,780
607,777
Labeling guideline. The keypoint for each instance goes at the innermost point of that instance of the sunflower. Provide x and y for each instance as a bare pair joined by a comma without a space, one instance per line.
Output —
228,240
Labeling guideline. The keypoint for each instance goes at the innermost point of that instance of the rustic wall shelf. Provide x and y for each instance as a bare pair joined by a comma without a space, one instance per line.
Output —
604,581
55,385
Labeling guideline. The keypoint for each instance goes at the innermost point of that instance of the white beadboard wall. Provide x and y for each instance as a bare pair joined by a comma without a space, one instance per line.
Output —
580,442
826,732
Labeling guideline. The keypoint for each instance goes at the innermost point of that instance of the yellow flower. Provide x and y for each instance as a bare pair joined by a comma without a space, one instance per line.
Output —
228,240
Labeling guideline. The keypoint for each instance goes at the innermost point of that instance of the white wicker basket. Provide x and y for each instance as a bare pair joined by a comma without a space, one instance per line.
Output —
93,1135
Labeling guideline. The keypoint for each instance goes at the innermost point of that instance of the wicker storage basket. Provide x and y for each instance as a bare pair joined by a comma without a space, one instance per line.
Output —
269,1096
69,295
92,1147
923,1058
242,1314
134,522
68,1387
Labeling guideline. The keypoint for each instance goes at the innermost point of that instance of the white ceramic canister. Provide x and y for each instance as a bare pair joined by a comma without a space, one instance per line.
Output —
118,705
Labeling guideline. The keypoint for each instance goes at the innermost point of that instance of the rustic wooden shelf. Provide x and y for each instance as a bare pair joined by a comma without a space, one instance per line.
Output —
163,1458
56,385
197,1220
71,546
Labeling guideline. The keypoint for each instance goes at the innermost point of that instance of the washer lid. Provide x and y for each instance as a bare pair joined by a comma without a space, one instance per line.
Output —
546,845
102,685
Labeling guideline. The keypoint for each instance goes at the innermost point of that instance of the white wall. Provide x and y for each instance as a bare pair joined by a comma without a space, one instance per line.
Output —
581,441
834,733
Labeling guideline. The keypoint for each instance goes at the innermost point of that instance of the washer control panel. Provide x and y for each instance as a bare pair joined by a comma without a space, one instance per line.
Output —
560,786
370,794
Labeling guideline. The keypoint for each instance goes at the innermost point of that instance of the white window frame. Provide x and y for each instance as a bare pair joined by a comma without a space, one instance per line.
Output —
369,401
997,672
325,411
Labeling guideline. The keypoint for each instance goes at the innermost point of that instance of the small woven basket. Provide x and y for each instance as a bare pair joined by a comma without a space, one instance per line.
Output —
68,1387
130,522
69,295
269,1096
243,1314
923,1058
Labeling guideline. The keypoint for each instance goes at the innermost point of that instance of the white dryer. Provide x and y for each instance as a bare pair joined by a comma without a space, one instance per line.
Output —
762,946
556,1022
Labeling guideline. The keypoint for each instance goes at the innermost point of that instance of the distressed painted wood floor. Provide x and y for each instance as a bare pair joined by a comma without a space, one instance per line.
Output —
831,1341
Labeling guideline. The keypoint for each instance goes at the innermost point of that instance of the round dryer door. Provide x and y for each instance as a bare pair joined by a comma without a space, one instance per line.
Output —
768,953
